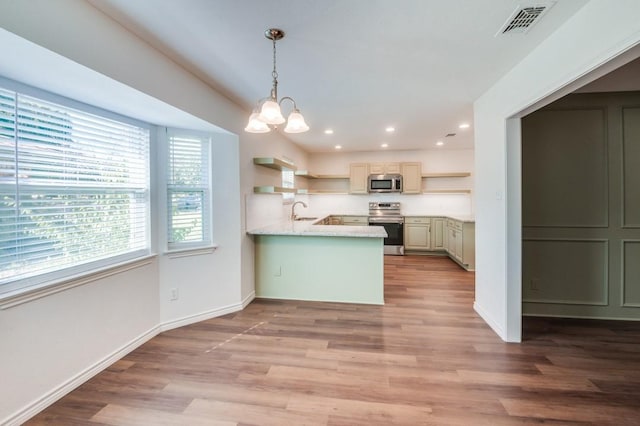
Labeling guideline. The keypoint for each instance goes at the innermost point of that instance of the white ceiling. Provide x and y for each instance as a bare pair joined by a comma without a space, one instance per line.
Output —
355,66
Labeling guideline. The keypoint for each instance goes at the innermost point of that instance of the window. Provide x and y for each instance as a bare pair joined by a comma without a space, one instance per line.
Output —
288,181
188,190
74,191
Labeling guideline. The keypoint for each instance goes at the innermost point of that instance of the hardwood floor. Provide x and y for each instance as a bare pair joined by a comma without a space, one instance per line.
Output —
425,358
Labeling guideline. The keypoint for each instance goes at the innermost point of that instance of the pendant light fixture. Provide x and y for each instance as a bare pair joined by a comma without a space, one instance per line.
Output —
267,111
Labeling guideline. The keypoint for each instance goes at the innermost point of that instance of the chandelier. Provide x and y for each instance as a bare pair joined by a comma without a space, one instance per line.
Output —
267,110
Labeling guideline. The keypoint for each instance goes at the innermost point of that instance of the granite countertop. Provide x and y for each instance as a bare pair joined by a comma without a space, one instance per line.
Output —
309,229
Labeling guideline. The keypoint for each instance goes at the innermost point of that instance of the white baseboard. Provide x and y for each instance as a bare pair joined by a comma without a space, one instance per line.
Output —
487,318
49,398
202,316
43,402
248,299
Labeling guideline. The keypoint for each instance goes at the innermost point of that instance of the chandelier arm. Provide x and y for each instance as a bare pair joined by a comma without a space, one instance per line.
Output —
295,107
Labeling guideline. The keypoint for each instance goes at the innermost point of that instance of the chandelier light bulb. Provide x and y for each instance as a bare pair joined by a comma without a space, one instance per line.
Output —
296,123
255,125
270,113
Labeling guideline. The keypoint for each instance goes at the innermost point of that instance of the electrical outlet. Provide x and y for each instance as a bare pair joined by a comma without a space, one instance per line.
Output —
278,272
534,284
174,294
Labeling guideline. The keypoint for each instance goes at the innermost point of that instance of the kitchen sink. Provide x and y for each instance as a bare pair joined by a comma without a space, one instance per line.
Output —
304,218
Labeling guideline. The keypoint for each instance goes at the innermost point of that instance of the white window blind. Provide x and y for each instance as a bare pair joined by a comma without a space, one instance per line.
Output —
188,190
74,190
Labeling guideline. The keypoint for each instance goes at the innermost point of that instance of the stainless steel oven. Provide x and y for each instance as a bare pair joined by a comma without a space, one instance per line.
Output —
387,215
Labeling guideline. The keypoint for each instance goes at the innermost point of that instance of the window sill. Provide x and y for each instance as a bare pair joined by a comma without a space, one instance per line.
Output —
21,296
192,251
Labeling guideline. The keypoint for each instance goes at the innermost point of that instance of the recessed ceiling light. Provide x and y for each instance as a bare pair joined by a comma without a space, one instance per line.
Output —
390,129
464,126
328,132
384,145
338,147
439,143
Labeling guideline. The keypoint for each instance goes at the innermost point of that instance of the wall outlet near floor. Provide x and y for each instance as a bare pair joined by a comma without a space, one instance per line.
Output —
174,294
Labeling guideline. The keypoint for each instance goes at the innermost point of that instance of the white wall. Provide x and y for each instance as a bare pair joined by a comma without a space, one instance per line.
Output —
50,345
433,160
600,31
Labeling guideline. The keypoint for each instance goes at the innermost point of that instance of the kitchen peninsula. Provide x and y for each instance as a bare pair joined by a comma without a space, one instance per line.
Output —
306,260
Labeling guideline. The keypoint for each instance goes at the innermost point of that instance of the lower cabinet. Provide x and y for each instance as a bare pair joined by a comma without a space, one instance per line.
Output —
460,243
345,220
355,220
439,234
417,233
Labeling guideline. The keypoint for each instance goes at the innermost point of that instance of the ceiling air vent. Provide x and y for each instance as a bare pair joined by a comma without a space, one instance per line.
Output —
523,18
449,135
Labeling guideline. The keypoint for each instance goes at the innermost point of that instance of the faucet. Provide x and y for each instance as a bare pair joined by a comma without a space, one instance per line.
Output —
293,209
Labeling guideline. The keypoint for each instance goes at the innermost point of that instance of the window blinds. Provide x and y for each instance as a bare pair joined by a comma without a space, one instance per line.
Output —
74,188
188,193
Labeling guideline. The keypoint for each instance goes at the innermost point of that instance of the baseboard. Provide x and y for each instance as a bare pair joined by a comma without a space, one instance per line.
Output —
202,316
248,299
585,317
487,318
41,403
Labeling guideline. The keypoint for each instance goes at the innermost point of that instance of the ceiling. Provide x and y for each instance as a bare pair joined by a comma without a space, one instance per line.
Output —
354,66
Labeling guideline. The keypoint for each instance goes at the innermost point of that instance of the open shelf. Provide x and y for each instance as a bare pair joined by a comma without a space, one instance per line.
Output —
309,175
446,175
274,163
447,191
273,190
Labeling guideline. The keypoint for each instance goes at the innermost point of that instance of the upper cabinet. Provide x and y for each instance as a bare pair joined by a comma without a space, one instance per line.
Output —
358,174
411,178
384,168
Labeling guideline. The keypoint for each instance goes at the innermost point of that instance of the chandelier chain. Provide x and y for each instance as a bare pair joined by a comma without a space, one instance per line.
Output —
274,73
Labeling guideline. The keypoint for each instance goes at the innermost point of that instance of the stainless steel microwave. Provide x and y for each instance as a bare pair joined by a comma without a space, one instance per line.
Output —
385,183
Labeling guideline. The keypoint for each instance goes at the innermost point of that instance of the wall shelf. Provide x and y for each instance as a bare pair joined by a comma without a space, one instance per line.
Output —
309,175
273,190
447,191
446,175
274,163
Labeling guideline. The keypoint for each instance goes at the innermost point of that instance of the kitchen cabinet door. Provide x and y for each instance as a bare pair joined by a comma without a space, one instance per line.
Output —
355,220
359,172
438,233
451,241
384,168
417,236
411,178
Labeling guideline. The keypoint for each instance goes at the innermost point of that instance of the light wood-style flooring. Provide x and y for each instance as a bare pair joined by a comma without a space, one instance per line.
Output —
425,358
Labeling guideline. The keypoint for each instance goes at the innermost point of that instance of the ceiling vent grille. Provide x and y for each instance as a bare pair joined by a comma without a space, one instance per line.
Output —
523,18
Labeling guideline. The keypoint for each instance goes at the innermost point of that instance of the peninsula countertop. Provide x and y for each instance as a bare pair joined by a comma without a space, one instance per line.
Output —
309,229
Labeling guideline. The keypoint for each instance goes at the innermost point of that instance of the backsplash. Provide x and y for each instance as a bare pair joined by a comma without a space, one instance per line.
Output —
266,209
